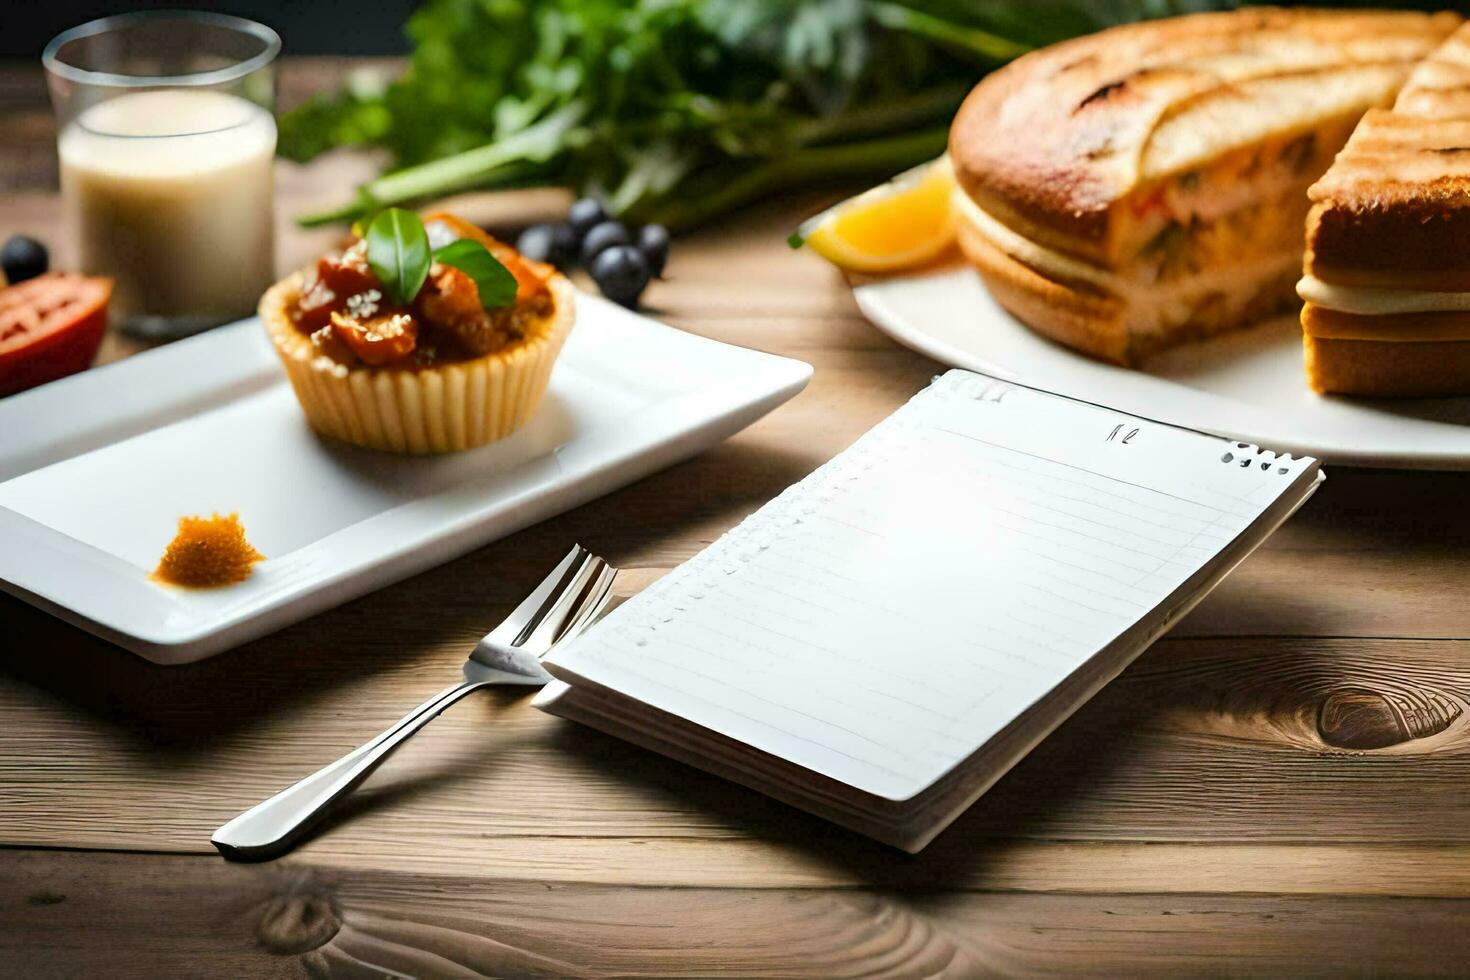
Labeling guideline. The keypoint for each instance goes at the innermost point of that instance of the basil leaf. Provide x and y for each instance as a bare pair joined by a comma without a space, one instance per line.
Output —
398,253
494,281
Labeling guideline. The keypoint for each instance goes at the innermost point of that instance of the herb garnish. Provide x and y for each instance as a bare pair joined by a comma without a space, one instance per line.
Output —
399,255
675,111
496,284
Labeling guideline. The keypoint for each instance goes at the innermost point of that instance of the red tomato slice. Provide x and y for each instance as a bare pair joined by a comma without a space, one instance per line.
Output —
380,339
50,327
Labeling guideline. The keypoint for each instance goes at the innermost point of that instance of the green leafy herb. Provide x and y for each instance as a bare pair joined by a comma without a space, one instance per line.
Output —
496,284
398,253
677,111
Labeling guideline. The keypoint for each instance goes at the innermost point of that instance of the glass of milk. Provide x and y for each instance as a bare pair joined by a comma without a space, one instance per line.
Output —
166,139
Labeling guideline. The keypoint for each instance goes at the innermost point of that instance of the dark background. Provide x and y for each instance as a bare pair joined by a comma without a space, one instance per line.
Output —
375,27
305,26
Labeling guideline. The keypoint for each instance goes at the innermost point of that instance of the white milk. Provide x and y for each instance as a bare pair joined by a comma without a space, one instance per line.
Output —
182,222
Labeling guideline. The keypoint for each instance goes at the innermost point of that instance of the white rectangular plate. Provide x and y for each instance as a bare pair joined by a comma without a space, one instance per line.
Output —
96,470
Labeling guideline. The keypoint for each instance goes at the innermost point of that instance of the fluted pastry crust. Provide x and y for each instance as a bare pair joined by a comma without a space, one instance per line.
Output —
441,408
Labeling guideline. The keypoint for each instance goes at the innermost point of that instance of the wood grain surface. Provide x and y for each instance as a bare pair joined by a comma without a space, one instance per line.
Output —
1280,786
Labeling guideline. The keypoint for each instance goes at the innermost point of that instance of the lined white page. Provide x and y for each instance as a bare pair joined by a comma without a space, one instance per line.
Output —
882,619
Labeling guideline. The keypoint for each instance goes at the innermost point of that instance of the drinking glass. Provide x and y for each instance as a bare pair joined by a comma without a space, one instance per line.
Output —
166,136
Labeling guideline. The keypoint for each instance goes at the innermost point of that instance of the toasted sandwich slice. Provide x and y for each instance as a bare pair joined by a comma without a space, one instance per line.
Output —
1146,185
1387,268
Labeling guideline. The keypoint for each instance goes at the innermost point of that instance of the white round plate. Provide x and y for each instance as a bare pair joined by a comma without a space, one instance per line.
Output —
1246,385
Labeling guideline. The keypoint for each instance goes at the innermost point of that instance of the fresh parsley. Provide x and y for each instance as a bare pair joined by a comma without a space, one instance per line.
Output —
677,111
672,111
399,255
496,284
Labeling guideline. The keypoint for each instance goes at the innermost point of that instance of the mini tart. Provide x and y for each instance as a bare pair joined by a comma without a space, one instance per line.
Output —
441,408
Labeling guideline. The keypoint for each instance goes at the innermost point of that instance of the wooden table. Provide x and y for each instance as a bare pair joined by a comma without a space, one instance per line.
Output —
1191,818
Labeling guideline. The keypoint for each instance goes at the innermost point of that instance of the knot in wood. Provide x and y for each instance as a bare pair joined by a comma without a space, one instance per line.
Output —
297,923
1360,718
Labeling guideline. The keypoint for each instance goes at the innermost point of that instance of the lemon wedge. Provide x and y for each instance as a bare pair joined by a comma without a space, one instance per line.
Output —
896,225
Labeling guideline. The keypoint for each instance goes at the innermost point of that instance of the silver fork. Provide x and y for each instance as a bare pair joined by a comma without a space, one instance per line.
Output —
565,603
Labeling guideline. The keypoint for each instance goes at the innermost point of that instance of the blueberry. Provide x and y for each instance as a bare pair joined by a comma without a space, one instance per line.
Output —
564,243
23,258
621,273
535,243
556,244
602,237
653,242
585,214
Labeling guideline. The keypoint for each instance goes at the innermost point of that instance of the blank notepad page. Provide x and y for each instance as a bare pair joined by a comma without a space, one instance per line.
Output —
882,619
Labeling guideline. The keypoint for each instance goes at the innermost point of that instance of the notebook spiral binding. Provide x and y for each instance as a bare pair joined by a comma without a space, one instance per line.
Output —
981,388
1245,455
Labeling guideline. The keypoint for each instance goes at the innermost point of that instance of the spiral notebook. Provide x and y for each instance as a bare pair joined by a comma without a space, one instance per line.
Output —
882,641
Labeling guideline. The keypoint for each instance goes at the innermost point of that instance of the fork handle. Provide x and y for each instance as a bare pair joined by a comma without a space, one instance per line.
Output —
275,826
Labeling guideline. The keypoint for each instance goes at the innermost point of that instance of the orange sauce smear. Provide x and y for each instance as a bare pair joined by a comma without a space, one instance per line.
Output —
208,552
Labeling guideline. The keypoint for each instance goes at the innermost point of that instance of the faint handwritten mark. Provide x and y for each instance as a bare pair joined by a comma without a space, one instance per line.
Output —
1117,429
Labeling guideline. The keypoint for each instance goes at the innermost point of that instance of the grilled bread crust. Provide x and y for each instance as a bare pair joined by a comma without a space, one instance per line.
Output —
1388,369
1074,314
1091,320
1052,143
1325,324
1393,212
1394,209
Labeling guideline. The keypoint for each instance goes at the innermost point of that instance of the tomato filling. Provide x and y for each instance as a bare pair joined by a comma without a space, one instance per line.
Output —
343,309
